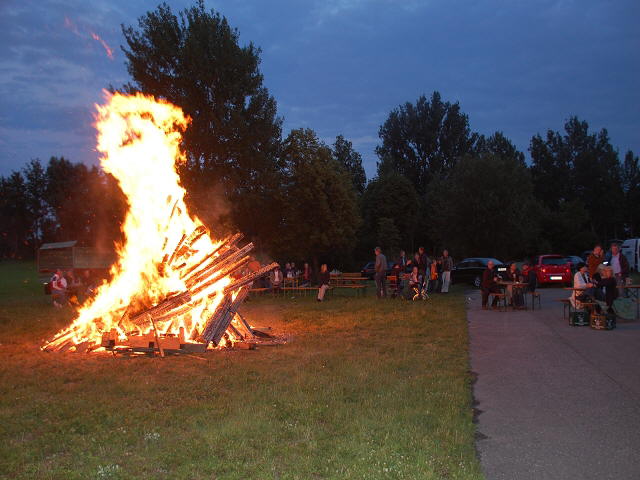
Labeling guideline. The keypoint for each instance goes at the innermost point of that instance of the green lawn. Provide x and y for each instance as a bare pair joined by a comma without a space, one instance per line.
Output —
364,389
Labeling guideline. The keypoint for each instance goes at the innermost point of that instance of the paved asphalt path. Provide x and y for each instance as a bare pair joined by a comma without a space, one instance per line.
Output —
556,402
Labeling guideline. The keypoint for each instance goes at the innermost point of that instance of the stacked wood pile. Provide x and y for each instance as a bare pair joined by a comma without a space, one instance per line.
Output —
225,323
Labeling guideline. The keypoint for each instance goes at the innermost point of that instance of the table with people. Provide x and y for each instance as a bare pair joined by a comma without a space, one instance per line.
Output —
70,287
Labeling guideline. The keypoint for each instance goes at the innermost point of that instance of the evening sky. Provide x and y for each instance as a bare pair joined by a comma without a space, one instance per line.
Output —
340,66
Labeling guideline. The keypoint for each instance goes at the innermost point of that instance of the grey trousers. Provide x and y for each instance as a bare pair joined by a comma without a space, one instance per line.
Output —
381,285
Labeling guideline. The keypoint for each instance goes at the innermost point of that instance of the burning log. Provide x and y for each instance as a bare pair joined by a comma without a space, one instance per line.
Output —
163,308
219,264
227,243
252,277
221,319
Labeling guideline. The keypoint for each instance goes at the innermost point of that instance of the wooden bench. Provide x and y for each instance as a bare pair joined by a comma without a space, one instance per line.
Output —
352,281
258,291
305,290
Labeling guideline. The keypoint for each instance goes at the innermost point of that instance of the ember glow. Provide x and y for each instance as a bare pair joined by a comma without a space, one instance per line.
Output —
70,25
107,48
167,256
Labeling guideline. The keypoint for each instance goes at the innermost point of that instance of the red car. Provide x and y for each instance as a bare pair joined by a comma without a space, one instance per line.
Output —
552,269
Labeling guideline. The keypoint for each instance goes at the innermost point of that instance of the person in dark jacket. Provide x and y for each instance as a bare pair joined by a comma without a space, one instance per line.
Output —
616,259
489,285
608,282
529,277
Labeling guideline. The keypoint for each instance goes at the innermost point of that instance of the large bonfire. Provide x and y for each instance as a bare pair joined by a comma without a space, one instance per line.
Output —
171,277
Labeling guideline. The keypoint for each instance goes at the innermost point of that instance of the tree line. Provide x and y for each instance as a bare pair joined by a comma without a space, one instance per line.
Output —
438,184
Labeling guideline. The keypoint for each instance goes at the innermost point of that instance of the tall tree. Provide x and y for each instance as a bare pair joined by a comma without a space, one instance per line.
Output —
580,166
320,217
36,187
424,140
195,60
631,187
351,160
15,218
485,206
393,197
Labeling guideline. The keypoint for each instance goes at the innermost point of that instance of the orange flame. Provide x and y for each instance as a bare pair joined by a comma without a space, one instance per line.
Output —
68,23
139,139
106,47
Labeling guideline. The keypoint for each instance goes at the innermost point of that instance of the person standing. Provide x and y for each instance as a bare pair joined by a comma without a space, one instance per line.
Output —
447,266
381,273
324,279
619,263
594,259
276,279
402,261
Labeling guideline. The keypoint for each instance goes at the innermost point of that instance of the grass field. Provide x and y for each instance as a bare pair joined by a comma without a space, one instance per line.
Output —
363,389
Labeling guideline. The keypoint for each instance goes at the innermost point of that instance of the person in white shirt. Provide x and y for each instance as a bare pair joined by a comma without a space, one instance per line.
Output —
58,289
582,281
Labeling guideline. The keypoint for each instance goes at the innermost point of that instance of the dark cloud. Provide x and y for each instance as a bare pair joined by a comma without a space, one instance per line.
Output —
340,66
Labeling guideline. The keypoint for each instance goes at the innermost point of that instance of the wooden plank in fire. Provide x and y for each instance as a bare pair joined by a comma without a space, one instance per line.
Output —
187,241
167,305
218,263
227,243
209,329
244,325
216,276
222,323
250,278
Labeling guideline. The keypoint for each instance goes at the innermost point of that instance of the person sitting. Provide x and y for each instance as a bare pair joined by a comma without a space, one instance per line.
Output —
324,279
288,272
608,283
74,288
306,275
58,289
415,283
513,275
489,285
88,285
583,285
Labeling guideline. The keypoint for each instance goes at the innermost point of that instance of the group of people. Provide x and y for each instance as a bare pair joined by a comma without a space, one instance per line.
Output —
600,277
422,273
69,287
514,296
278,277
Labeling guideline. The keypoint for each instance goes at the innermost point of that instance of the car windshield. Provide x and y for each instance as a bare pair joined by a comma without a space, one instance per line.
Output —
554,261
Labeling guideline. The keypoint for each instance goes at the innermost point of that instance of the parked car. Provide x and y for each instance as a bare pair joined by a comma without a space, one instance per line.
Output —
369,270
470,270
631,249
573,260
552,269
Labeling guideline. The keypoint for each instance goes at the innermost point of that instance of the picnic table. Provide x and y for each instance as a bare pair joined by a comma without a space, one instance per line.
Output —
353,281
514,286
